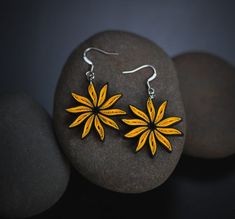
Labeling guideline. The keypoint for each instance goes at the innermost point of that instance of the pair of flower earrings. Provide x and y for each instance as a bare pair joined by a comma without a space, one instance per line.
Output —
150,126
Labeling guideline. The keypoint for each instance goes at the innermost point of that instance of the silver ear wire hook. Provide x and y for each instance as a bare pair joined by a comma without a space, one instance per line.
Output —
90,74
151,90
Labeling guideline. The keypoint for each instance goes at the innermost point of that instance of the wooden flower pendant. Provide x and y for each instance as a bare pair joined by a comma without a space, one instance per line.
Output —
97,111
152,127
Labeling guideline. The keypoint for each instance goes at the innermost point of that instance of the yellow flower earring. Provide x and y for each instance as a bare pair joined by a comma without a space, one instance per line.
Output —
97,109
151,126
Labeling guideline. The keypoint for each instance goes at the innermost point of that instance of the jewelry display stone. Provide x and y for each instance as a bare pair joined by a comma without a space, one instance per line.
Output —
207,85
112,164
34,173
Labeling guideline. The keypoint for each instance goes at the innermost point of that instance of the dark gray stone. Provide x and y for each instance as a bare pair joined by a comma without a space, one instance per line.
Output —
208,88
33,172
113,164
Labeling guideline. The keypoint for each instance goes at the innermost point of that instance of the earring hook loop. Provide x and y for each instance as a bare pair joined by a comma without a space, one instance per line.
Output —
151,90
90,74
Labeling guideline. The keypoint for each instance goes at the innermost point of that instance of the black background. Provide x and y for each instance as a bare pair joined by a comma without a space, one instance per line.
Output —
35,41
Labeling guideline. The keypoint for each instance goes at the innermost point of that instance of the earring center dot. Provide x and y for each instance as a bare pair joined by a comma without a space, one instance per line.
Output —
96,110
152,126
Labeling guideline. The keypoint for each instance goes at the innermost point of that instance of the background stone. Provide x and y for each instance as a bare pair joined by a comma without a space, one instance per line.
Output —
208,88
33,172
113,164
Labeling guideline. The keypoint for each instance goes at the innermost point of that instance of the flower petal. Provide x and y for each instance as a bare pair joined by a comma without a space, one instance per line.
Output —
112,112
99,128
79,109
142,140
169,131
102,95
151,109
112,100
139,113
134,122
168,121
134,132
152,143
80,119
165,142
92,92
87,126
108,121
82,100
161,112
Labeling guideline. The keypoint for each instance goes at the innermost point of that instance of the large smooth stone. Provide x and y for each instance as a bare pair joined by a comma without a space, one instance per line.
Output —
33,172
113,164
208,88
